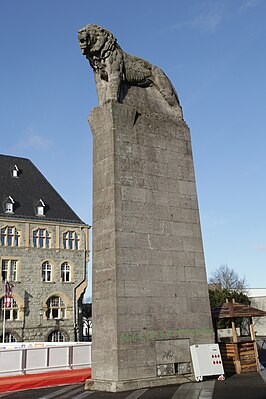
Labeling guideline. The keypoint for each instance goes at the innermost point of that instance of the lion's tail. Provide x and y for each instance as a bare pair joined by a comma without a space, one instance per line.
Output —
165,87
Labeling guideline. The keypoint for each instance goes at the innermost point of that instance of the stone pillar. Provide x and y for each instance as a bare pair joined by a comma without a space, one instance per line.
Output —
150,296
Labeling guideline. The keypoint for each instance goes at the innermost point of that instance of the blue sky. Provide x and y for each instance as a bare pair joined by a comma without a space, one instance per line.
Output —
213,52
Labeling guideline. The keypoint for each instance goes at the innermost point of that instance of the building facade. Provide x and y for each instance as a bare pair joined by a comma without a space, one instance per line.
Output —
257,298
44,252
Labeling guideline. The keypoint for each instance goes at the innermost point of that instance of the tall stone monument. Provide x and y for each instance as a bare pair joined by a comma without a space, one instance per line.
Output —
149,287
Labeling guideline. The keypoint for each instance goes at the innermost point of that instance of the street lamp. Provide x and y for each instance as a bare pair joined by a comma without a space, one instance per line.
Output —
41,315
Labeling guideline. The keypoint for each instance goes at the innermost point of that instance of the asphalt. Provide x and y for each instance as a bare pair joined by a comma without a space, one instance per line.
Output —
243,386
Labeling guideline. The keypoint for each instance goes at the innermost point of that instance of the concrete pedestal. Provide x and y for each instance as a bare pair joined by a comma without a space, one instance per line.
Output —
150,297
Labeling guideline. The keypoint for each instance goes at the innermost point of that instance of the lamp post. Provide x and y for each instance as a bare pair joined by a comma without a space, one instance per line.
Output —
80,324
41,316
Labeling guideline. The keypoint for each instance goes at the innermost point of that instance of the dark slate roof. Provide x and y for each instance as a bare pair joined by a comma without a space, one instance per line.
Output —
231,310
28,189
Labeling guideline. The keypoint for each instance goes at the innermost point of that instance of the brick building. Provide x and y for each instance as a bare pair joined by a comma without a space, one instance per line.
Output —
44,251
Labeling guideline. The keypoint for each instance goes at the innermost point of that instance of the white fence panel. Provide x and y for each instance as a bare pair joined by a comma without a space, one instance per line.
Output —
36,358
58,357
81,355
10,361
30,359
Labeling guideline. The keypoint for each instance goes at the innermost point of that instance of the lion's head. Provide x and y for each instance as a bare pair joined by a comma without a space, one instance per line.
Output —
95,41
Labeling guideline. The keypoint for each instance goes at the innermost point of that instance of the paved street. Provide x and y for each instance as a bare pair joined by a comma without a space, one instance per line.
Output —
244,386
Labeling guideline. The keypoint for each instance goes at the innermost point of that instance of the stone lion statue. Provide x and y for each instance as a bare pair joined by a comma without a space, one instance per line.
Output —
113,67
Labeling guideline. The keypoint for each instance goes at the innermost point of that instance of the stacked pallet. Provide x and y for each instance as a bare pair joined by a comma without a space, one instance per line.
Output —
228,353
239,357
247,356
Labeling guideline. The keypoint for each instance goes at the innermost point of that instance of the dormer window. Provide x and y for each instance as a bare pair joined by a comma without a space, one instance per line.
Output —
15,171
9,205
40,208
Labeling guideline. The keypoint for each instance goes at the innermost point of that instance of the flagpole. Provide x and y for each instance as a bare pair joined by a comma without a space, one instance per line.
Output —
4,318
4,322
8,300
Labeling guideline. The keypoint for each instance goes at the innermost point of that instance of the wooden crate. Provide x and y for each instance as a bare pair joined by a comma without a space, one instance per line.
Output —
239,357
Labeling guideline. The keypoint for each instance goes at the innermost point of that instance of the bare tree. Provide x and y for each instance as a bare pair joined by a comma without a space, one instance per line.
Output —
226,278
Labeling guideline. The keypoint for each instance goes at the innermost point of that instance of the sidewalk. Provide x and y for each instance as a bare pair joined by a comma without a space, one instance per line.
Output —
243,386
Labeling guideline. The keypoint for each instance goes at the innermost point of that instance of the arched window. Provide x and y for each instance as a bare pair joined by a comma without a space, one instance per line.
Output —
65,272
41,238
46,272
8,338
9,236
71,240
56,308
56,336
12,312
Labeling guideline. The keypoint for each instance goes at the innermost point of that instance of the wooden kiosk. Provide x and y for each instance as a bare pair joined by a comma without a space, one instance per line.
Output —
239,354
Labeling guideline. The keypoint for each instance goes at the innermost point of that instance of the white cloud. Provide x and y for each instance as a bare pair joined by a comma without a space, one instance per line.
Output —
261,248
208,21
250,3
33,140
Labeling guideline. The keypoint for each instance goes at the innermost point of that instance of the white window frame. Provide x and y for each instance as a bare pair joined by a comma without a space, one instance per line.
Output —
9,269
41,240
39,208
12,312
9,236
65,272
56,308
9,207
56,336
71,240
15,171
9,338
47,272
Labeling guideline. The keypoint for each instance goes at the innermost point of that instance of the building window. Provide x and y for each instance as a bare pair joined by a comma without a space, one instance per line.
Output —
9,236
71,240
9,205
56,308
56,336
40,211
12,312
65,272
15,171
9,270
8,338
39,208
41,238
46,272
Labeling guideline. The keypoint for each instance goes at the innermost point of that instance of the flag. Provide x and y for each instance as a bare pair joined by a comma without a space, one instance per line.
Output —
8,295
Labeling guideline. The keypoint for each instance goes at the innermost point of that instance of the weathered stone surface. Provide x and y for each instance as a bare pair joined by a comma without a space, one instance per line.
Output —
115,71
149,275
149,280
30,292
172,351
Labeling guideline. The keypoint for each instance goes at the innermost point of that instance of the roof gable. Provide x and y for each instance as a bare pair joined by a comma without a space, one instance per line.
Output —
29,189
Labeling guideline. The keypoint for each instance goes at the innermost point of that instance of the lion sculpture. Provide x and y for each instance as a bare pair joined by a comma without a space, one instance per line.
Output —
112,66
